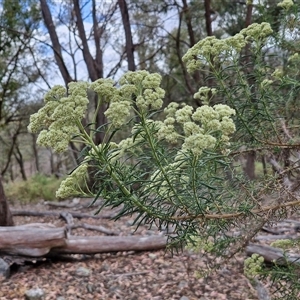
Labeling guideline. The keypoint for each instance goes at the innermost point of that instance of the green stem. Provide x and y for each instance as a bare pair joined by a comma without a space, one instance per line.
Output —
158,162
94,119
88,140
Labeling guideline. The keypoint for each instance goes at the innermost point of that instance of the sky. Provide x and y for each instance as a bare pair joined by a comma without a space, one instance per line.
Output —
110,55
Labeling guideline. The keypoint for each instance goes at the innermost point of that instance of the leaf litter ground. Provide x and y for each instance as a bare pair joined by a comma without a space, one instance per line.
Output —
131,275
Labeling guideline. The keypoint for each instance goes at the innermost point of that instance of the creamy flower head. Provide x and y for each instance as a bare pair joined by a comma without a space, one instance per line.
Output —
211,47
138,89
184,114
283,244
224,110
286,4
199,142
205,94
257,31
225,50
197,130
171,109
167,132
57,120
71,185
204,114
265,83
253,265
190,128
118,113
277,74
294,57
104,88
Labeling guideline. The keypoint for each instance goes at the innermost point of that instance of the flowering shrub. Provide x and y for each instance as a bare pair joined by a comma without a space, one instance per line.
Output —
177,166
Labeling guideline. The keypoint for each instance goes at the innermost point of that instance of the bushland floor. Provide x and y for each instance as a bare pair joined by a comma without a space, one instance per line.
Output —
149,275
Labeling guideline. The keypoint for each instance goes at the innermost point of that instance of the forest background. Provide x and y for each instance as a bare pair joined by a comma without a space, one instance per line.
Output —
45,43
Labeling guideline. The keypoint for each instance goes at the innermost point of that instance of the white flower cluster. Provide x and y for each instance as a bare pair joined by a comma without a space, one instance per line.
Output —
71,185
277,74
265,83
199,130
105,89
141,87
257,31
283,244
294,57
57,118
286,4
223,50
253,265
205,94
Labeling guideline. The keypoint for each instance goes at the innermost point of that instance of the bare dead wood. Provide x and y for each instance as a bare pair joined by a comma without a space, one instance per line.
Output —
276,237
272,254
277,230
104,244
70,222
270,230
64,204
95,228
43,240
69,219
295,223
30,241
262,292
130,274
16,212
74,204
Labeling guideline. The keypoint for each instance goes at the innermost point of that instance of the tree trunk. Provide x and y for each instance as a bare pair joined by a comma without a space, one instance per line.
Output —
87,56
250,165
56,46
208,18
19,158
249,15
35,152
5,215
128,34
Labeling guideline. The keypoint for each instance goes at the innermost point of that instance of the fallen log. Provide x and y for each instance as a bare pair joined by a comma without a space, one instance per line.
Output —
45,240
84,203
102,244
30,241
98,228
273,255
275,237
16,212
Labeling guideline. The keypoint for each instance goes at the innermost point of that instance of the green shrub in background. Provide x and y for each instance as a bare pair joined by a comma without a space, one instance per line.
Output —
181,171
34,189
